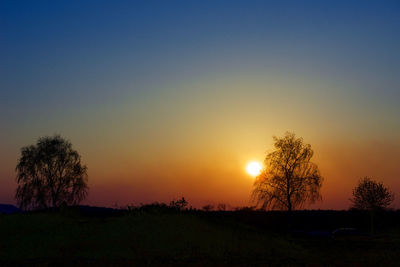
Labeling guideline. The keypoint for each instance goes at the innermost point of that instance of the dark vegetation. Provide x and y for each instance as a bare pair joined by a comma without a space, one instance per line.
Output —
289,178
371,195
50,174
54,230
160,234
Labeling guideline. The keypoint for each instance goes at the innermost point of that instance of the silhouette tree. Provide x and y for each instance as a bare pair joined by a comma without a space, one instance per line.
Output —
371,195
179,204
207,207
289,179
50,174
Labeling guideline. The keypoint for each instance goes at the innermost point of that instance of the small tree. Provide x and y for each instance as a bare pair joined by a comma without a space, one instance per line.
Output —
289,178
50,174
179,204
371,195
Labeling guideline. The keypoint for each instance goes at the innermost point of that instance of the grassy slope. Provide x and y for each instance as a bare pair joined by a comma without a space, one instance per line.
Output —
147,238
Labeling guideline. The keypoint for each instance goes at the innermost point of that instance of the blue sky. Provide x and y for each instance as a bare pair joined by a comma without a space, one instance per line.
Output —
135,76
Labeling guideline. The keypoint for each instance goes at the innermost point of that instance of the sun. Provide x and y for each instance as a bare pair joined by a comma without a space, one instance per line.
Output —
254,168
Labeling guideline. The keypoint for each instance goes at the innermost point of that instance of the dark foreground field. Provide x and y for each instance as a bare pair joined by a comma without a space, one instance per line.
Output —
165,237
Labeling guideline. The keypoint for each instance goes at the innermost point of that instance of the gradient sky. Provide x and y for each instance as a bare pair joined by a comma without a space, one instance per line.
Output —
172,98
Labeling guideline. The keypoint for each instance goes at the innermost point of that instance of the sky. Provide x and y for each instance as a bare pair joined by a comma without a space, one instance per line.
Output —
165,99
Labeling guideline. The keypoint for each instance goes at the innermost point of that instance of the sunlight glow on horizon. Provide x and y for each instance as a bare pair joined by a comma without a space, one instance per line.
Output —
254,168
178,99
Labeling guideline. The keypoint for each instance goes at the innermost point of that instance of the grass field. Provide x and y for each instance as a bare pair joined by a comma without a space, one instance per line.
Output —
177,238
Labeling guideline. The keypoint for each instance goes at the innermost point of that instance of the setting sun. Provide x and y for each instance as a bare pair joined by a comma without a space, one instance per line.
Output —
254,168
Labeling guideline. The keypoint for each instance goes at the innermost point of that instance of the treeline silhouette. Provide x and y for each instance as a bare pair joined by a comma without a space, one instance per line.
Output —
308,222
52,177
302,220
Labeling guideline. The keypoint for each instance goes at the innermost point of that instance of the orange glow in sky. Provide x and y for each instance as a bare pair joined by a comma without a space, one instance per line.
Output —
173,100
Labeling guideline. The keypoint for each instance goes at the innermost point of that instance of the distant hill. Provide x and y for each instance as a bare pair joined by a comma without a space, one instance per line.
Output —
8,209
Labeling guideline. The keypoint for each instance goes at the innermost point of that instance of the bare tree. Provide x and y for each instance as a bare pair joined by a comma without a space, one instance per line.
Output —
371,195
50,174
289,178
179,204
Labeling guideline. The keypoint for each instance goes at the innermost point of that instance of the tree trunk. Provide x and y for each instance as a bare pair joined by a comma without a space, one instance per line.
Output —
372,219
289,216
289,205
